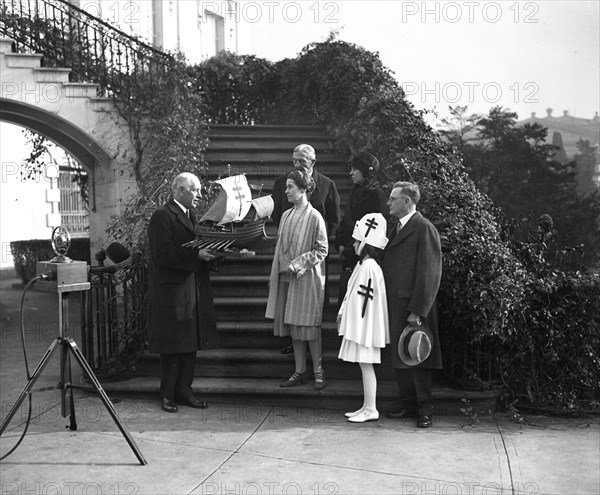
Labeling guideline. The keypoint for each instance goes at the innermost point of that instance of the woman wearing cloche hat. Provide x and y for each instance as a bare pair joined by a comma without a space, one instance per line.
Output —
363,315
365,197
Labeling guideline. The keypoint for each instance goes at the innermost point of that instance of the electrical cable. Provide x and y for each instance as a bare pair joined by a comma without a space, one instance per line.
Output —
28,421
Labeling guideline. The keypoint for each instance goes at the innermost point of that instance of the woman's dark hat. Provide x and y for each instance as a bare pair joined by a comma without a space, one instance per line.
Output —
365,162
415,344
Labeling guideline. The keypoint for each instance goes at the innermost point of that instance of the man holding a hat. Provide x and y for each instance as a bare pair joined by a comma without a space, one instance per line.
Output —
412,268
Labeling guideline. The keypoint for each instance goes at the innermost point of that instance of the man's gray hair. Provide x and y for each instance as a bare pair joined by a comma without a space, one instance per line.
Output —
410,190
182,179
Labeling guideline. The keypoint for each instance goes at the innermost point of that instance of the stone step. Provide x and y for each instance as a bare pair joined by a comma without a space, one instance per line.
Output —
241,286
218,142
51,75
102,104
80,90
23,60
6,45
247,308
261,265
259,334
239,399
300,132
256,363
261,156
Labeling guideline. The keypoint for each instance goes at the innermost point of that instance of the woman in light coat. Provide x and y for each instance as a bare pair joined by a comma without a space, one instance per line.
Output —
297,280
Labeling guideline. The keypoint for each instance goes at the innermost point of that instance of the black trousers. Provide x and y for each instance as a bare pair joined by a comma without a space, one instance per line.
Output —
177,375
415,389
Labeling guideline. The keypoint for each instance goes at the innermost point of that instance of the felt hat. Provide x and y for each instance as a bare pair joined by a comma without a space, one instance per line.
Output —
415,344
117,253
365,162
371,229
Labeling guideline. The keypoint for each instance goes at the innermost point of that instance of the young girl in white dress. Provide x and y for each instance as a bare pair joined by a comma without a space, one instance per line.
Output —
363,315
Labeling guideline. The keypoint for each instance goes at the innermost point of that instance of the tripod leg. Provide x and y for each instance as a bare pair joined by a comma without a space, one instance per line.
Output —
66,377
30,383
109,406
66,389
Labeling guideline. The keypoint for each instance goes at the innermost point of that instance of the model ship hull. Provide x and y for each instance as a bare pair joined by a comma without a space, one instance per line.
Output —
240,236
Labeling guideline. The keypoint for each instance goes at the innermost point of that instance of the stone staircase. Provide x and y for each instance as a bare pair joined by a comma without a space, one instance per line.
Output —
247,361
23,74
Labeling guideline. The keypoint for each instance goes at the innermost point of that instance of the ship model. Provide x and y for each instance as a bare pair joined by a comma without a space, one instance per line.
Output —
234,222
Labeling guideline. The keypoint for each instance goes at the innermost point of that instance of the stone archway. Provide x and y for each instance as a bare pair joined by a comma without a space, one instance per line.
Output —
79,144
72,116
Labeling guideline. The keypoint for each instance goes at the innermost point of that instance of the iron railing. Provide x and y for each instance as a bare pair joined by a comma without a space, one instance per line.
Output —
114,315
94,50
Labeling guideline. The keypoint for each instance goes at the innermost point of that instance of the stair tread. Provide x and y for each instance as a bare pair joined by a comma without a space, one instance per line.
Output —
386,389
251,301
246,354
267,135
261,326
251,278
259,127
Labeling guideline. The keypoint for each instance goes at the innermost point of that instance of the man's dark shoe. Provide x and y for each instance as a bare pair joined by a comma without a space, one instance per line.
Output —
194,402
402,414
424,421
288,350
169,405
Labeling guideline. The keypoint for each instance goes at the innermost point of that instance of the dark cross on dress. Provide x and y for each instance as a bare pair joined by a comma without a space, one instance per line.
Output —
367,294
371,224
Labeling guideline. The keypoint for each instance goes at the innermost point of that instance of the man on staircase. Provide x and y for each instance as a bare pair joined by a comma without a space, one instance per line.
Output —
324,198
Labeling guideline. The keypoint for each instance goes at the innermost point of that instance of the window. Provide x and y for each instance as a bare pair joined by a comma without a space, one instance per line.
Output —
72,207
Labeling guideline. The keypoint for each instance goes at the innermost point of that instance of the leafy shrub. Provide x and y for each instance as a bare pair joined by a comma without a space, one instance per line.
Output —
553,359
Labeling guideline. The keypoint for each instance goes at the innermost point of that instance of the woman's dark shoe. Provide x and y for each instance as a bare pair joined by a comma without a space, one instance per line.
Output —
295,379
320,380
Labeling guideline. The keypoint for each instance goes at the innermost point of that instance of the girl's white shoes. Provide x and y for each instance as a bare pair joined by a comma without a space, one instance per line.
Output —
352,414
364,415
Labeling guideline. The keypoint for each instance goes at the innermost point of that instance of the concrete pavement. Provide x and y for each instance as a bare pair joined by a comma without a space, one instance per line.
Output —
248,447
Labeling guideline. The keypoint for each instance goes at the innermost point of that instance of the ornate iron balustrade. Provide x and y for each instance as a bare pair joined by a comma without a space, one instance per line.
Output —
94,50
114,315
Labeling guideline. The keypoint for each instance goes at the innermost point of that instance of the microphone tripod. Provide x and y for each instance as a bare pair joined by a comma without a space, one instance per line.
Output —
69,348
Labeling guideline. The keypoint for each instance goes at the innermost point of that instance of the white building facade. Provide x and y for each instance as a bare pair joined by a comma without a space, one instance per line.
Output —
199,29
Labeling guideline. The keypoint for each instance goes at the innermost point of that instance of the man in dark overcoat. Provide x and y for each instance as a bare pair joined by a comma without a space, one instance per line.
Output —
325,199
180,296
412,268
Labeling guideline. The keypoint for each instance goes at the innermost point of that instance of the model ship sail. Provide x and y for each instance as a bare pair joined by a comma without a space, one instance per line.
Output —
232,203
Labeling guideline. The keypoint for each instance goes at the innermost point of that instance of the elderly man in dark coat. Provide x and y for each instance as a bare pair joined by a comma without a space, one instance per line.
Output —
180,297
412,268
325,198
